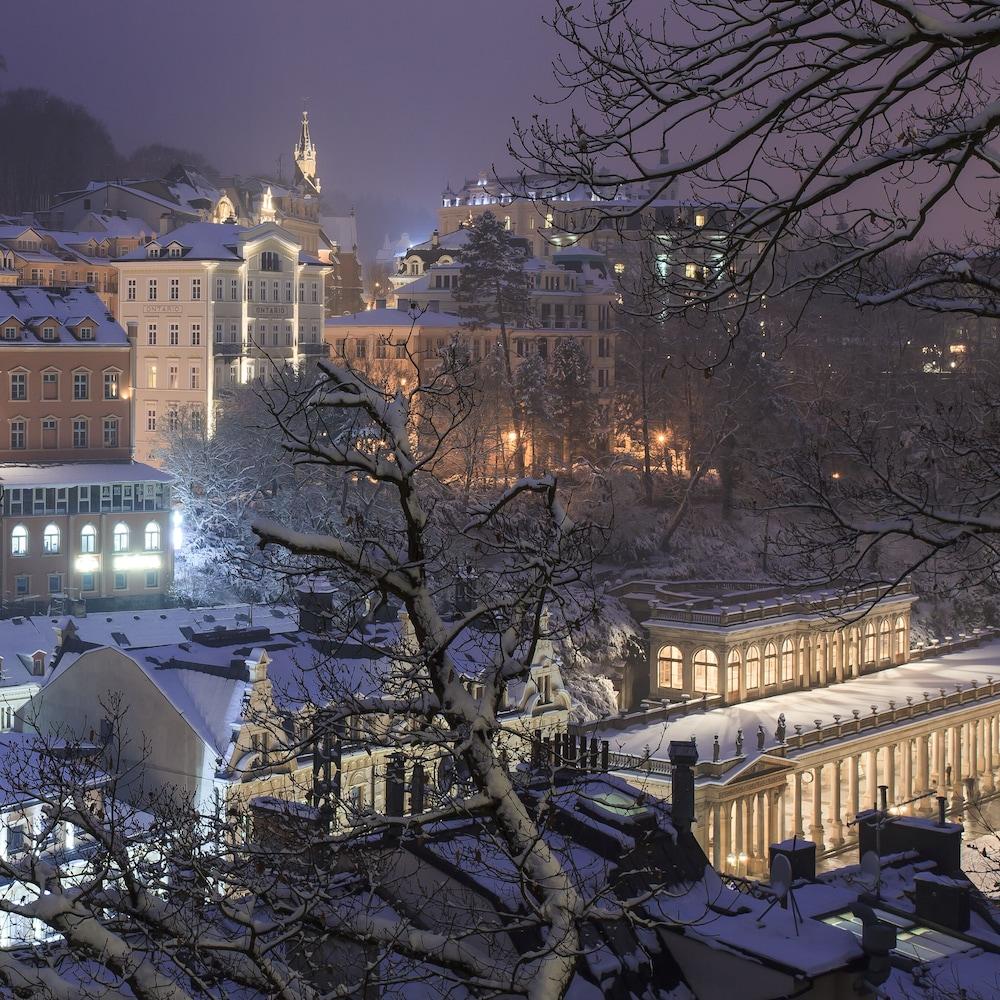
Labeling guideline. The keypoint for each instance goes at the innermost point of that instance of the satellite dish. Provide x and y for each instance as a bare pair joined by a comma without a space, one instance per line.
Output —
781,876
871,866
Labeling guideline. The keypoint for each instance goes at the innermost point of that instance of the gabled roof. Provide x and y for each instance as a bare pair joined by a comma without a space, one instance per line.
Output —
34,306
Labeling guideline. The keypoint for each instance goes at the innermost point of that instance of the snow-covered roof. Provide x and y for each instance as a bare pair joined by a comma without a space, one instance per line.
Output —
31,304
454,240
201,240
803,706
341,229
77,473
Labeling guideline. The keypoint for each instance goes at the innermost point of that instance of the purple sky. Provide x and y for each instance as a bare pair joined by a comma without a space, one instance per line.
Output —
403,96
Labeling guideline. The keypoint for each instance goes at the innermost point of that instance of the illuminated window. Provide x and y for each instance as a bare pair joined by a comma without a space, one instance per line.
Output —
120,537
670,667
152,537
50,540
787,661
706,671
699,219
548,220
619,268
19,540
868,648
884,640
770,664
752,674
733,671
88,539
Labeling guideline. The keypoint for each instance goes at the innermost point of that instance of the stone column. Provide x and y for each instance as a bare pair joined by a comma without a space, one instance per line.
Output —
972,731
797,830
890,772
717,857
988,783
739,842
816,829
837,824
906,751
957,797
939,764
782,827
760,810
727,832
871,782
923,766
853,787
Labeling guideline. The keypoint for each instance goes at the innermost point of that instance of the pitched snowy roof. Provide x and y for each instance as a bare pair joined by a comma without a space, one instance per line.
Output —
342,229
201,240
77,473
30,303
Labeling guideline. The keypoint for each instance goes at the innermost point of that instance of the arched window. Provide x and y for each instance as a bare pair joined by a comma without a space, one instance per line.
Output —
770,664
706,671
787,661
900,635
19,540
868,647
670,667
884,639
50,539
120,537
152,537
752,673
733,672
88,538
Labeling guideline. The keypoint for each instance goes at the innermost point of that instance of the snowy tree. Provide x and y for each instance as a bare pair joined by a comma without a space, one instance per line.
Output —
572,401
493,291
533,399
818,138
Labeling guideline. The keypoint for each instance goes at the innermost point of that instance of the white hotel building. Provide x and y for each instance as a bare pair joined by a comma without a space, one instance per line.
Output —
208,306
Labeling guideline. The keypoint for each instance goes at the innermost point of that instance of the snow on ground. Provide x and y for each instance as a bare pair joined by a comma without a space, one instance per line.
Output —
803,707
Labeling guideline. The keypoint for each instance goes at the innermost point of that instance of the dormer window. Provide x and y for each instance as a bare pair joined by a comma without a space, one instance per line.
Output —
154,251
174,251
86,333
48,333
10,333
270,261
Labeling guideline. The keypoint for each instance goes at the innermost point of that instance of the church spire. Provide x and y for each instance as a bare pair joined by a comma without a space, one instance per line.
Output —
305,158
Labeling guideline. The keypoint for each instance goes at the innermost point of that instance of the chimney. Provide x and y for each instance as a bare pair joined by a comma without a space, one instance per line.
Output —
164,223
435,238
683,757
418,782
801,856
943,900
395,776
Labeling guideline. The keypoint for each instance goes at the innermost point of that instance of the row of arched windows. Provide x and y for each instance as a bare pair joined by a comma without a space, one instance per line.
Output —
52,539
762,665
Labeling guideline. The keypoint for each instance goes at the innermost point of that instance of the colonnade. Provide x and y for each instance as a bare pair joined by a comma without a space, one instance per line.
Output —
819,793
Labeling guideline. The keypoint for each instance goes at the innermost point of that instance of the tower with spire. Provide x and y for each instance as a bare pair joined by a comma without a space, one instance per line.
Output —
305,159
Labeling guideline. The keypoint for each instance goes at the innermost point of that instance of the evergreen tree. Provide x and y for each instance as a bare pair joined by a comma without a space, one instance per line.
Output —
531,382
493,291
572,402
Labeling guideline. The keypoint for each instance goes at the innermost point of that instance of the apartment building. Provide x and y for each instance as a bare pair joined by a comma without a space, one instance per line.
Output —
79,519
30,255
571,294
210,306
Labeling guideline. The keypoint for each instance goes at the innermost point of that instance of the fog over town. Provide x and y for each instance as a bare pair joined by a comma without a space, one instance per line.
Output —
500,500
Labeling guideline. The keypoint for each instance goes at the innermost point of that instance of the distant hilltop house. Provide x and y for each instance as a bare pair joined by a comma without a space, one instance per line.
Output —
185,195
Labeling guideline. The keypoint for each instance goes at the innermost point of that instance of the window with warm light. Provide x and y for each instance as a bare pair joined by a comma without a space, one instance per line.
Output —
706,671
88,539
19,540
670,667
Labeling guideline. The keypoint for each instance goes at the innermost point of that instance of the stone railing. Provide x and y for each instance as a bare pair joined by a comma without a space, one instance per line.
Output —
764,609
653,711
632,762
892,712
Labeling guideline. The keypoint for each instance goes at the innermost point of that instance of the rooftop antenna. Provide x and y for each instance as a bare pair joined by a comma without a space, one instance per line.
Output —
781,886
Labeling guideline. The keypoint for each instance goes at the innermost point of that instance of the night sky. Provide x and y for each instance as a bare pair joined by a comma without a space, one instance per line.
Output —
403,96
